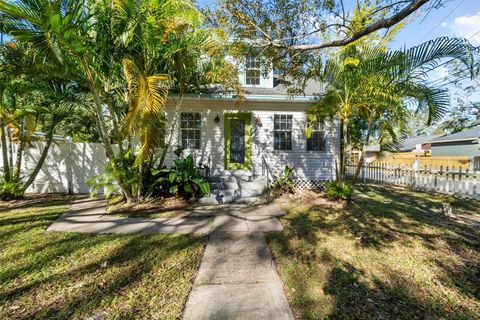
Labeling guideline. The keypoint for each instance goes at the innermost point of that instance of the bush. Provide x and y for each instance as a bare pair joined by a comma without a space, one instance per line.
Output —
336,190
283,183
11,190
185,180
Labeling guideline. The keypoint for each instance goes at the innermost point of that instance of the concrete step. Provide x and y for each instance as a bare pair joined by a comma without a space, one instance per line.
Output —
218,199
236,173
224,193
252,193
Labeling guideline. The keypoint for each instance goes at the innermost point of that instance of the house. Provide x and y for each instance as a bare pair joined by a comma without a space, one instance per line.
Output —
416,145
464,143
245,142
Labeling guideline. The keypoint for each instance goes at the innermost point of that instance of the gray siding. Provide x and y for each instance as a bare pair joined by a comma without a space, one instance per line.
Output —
455,148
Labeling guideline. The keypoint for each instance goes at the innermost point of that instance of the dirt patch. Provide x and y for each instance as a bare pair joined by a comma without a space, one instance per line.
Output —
162,207
311,198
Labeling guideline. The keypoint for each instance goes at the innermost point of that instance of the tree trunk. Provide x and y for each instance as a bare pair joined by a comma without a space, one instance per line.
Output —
21,145
41,160
364,147
6,166
103,131
343,149
334,147
140,181
178,107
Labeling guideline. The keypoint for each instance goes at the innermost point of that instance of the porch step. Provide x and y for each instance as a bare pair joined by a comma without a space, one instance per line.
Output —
239,186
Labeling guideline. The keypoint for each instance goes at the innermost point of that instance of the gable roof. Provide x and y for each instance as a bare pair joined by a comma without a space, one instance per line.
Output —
467,135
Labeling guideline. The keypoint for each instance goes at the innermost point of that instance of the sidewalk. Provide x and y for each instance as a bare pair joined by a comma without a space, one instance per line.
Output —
88,216
237,280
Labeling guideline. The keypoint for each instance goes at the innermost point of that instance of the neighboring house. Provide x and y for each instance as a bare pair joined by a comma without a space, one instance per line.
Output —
263,131
464,143
420,144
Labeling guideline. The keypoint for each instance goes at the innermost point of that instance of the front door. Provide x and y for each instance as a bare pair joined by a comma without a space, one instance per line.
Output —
238,151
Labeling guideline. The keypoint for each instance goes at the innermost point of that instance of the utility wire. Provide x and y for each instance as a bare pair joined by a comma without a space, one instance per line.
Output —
444,18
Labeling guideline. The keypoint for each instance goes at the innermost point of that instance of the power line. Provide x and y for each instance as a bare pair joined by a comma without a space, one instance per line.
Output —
448,15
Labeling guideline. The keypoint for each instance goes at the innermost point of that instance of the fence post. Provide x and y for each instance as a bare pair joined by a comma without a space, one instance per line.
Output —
68,165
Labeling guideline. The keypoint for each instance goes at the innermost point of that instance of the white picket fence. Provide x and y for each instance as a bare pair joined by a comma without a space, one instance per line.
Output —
443,180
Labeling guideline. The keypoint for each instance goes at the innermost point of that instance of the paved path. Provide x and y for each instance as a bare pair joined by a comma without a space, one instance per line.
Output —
88,215
237,280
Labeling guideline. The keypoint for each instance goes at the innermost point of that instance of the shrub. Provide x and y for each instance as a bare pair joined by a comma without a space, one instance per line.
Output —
283,183
185,180
336,190
11,190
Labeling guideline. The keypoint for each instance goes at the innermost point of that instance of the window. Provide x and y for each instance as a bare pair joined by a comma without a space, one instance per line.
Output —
190,124
252,71
316,142
282,132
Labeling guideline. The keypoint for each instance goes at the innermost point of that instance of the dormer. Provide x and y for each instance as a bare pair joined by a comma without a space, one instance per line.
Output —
252,73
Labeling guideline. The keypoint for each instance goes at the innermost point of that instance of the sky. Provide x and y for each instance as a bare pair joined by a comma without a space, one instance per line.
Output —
456,18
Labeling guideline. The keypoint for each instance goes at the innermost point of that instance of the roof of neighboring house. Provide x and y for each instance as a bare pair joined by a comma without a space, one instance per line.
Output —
407,144
470,134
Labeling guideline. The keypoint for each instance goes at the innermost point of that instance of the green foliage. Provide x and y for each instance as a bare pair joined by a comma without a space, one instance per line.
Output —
11,190
283,183
184,179
337,190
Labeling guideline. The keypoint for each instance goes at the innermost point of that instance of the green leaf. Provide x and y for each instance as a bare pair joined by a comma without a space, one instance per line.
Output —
172,177
173,189
187,188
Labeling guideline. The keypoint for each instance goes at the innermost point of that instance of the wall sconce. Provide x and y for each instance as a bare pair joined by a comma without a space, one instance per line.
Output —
258,121
217,119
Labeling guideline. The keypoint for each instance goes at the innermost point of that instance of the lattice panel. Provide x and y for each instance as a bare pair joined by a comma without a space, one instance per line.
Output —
309,184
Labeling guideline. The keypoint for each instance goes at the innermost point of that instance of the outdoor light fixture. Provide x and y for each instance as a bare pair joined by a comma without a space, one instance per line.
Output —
217,119
258,121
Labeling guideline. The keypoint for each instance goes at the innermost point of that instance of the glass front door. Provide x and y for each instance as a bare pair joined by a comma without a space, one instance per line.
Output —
237,141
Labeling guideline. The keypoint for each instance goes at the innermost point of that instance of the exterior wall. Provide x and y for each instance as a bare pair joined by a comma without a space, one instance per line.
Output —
309,165
456,148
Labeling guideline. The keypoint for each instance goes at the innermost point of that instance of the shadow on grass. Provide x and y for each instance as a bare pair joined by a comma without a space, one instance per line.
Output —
70,275
378,219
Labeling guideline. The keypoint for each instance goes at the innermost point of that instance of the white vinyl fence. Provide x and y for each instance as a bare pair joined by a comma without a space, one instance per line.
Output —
67,167
437,179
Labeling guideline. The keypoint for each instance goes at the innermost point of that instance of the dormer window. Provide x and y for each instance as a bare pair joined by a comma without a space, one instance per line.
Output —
252,71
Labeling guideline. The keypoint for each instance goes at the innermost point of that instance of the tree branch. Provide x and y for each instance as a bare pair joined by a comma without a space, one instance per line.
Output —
382,24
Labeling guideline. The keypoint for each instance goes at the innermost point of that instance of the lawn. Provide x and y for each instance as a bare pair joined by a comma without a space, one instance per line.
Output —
76,276
390,254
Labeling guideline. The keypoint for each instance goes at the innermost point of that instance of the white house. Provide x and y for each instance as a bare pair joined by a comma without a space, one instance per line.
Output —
256,136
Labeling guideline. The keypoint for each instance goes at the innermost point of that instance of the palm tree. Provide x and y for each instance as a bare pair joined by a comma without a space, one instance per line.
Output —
378,86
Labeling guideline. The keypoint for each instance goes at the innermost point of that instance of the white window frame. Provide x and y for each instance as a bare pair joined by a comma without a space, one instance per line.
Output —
252,63
283,127
185,130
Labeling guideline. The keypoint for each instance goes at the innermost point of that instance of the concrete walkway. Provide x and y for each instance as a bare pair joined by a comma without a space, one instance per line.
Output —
88,216
237,280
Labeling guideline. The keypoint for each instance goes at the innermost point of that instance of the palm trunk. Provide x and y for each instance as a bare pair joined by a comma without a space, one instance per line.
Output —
41,160
140,181
334,147
103,131
343,149
6,166
364,147
178,107
21,146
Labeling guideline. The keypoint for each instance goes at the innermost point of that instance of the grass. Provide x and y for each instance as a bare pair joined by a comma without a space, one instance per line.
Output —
391,254
74,276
